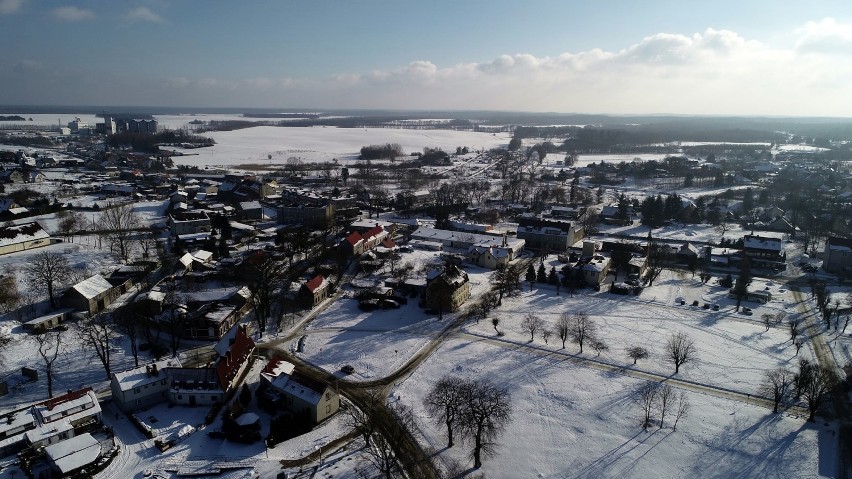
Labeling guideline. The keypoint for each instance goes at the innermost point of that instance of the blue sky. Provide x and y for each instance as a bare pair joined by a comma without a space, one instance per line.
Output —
721,57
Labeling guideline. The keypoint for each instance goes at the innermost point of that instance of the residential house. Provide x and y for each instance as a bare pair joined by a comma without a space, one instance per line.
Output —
284,387
318,214
189,222
553,235
447,289
250,210
358,243
765,252
837,255
34,176
142,387
314,291
22,237
91,295
12,175
209,385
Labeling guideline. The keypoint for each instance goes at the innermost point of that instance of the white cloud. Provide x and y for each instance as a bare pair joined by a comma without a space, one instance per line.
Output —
72,14
825,36
10,6
143,14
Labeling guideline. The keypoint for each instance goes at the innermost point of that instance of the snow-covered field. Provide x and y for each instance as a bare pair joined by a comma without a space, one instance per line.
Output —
570,421
316,144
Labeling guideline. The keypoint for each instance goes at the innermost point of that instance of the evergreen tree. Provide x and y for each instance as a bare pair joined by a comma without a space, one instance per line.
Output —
552,277
530,274
541,276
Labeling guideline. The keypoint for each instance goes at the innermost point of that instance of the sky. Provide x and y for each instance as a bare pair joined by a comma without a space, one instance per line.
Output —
746,57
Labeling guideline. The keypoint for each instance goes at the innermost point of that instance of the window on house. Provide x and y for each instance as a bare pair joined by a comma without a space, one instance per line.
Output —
328,409
136,390
327,396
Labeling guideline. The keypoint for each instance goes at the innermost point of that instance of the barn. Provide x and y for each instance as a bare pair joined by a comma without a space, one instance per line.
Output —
91,295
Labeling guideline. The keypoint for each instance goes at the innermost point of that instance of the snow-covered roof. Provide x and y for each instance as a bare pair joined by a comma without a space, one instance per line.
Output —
15,234
292,386
91,287
83,403
136,377
202,255
74,453
248,418
762,242
46,431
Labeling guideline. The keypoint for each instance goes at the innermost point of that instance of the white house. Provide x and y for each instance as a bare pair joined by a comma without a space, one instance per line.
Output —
142,387
287,388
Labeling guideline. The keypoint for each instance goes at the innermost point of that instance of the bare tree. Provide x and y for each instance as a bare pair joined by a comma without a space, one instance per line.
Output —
636,353
487,411
775,385
820,382
49,344
47,271
779,317
507,281
582,329
97,333
129,322
445,401
10,298
5,341
681,350
646,396
381,450
599,346
798,344
265,274
365,419
563,327
173,316
794,329
666,396
802,377
71,222
655,261
546,333
681,410
495,322
119,224
531,324
767,319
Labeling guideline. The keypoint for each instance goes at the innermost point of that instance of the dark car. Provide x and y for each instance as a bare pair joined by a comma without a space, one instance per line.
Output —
348,369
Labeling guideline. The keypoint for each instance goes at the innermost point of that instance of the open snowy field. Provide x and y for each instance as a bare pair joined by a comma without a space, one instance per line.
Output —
377,343
571,421
733,350
316,144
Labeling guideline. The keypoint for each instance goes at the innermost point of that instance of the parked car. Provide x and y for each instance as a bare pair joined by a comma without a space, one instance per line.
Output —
348,369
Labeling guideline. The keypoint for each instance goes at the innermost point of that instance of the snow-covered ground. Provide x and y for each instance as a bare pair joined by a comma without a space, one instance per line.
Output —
316,144
570,421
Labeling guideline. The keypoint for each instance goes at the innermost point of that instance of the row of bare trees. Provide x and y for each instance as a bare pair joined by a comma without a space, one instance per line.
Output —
476,409
811,382
663,399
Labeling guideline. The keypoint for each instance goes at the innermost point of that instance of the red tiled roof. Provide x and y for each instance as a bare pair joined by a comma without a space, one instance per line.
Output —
354,238
376,230
314,283
53,402
388,243
238,353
